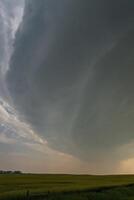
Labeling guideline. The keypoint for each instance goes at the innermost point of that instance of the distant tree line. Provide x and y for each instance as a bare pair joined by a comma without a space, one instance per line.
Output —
10,172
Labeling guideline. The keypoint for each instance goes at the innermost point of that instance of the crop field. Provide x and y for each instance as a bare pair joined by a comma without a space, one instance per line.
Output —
66,187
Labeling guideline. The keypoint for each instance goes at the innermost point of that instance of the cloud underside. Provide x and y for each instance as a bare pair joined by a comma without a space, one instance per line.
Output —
71,74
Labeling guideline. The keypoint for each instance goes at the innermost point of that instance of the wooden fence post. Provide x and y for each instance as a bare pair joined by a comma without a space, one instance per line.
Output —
27,195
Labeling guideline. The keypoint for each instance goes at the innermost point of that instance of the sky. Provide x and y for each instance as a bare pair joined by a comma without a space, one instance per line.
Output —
66,86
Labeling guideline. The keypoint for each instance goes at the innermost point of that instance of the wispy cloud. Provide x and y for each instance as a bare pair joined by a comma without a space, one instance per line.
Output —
6,140
12,126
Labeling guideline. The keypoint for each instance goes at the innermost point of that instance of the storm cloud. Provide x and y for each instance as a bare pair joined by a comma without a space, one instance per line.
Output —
71,74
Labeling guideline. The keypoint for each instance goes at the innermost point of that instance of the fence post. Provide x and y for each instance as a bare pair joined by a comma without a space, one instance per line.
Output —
27,195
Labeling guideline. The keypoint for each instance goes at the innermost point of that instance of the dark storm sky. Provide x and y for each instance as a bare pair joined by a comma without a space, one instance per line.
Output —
71,75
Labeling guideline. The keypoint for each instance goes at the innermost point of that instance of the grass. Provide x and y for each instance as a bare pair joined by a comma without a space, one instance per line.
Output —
80,187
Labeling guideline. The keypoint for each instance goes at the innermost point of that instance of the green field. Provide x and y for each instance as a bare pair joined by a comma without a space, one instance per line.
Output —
69,187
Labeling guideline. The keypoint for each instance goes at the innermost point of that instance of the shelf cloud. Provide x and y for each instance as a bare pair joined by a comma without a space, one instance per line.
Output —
71,74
